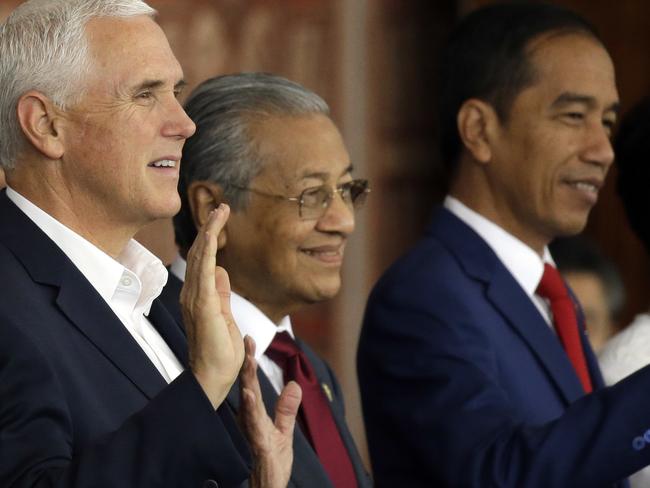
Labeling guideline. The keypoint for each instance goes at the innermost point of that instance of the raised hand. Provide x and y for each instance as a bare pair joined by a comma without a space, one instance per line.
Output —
271,441
216,349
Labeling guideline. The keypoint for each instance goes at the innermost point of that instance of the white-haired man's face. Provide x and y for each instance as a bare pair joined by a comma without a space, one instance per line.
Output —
124,139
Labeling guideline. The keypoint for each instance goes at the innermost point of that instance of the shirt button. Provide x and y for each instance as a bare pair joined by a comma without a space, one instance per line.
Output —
210,484
126,281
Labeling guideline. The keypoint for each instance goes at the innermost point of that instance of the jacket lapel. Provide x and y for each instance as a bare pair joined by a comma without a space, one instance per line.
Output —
521,314
481,263
77,299
169,330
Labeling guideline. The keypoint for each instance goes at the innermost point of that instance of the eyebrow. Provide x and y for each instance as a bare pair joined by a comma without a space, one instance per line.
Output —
154,84
323,175
568,98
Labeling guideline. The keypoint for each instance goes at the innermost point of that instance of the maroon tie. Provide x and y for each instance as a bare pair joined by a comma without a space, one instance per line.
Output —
552,288
315,415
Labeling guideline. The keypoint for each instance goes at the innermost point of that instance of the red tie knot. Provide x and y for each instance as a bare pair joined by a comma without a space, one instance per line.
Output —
282,346
551,285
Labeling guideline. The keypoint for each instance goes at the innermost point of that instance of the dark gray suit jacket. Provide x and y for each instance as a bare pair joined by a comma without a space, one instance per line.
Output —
307,470
81,405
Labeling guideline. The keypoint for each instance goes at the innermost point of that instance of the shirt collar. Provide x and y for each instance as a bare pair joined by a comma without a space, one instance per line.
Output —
522,261
102,271
178,268
250,319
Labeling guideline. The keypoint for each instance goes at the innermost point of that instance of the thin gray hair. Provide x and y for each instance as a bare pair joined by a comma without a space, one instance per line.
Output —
43,47
222,150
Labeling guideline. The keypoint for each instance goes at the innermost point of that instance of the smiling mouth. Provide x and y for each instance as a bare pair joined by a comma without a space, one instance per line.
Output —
163,163
585,186
321,253
326,256
587,189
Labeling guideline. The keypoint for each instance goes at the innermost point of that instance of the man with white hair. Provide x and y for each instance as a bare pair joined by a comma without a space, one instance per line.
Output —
98,384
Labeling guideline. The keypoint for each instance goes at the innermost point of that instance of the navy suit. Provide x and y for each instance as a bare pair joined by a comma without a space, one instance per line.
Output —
307,471
81,405
464,384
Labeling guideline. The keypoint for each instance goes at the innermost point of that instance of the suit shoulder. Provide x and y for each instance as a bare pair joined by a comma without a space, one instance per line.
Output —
428,265
17,280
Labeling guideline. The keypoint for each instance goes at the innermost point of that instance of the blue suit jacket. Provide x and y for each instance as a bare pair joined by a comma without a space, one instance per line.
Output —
80,403
465,385
307,471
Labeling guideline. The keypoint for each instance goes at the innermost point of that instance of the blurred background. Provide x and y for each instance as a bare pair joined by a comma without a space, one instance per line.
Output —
375,62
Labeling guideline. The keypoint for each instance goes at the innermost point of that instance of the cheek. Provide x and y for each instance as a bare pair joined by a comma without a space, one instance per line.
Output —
287,241
104,146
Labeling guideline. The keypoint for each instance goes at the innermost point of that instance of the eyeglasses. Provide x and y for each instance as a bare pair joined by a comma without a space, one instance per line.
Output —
313,202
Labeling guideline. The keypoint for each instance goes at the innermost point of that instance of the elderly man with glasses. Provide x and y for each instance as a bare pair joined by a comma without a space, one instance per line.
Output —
267,147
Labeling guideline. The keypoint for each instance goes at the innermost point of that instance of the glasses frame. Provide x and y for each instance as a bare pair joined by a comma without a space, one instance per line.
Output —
300,199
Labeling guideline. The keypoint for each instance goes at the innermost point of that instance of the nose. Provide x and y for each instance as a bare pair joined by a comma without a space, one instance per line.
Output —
339,217
598,148
178,123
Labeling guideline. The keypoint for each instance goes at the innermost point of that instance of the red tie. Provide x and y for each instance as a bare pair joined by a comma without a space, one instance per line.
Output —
315,414
552,288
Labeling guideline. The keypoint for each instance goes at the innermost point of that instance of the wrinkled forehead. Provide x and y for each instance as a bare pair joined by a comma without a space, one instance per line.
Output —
298,148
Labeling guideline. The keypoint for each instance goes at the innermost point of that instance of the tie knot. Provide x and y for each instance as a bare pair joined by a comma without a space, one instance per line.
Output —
284,352
282,347
551,285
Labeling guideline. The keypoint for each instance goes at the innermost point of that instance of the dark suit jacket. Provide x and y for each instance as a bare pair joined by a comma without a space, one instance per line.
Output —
307,470
80,403
464,384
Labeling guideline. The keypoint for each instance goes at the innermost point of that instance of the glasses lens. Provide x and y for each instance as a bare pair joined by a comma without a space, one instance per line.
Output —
358,190
313,201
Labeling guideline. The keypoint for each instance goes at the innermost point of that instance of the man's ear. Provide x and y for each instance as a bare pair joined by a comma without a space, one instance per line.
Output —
203,197
41,122
476,121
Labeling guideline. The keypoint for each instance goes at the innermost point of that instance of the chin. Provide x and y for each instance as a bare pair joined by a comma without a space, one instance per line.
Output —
571,228
166,209
328,291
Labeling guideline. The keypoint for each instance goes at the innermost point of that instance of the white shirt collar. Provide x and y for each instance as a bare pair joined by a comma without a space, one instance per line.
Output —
178,268
523,262
104,273
250,319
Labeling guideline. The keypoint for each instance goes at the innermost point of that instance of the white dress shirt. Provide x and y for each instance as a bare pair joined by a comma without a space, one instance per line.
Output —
251,321
128,285
524,264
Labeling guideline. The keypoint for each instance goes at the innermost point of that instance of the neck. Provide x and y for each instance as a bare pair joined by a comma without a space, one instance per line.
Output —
475,193
100,229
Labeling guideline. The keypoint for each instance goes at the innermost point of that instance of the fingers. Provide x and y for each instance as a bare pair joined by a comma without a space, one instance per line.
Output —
201,258
249,369
206,260
271,444
250,384
215,346
287,408
222,285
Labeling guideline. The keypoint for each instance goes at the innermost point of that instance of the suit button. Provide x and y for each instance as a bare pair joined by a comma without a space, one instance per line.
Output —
210,484
638,443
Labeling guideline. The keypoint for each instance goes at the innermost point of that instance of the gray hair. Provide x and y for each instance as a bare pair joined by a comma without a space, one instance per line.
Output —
43,47
222,149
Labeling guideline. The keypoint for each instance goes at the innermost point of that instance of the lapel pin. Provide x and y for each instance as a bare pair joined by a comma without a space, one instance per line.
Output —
328,392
